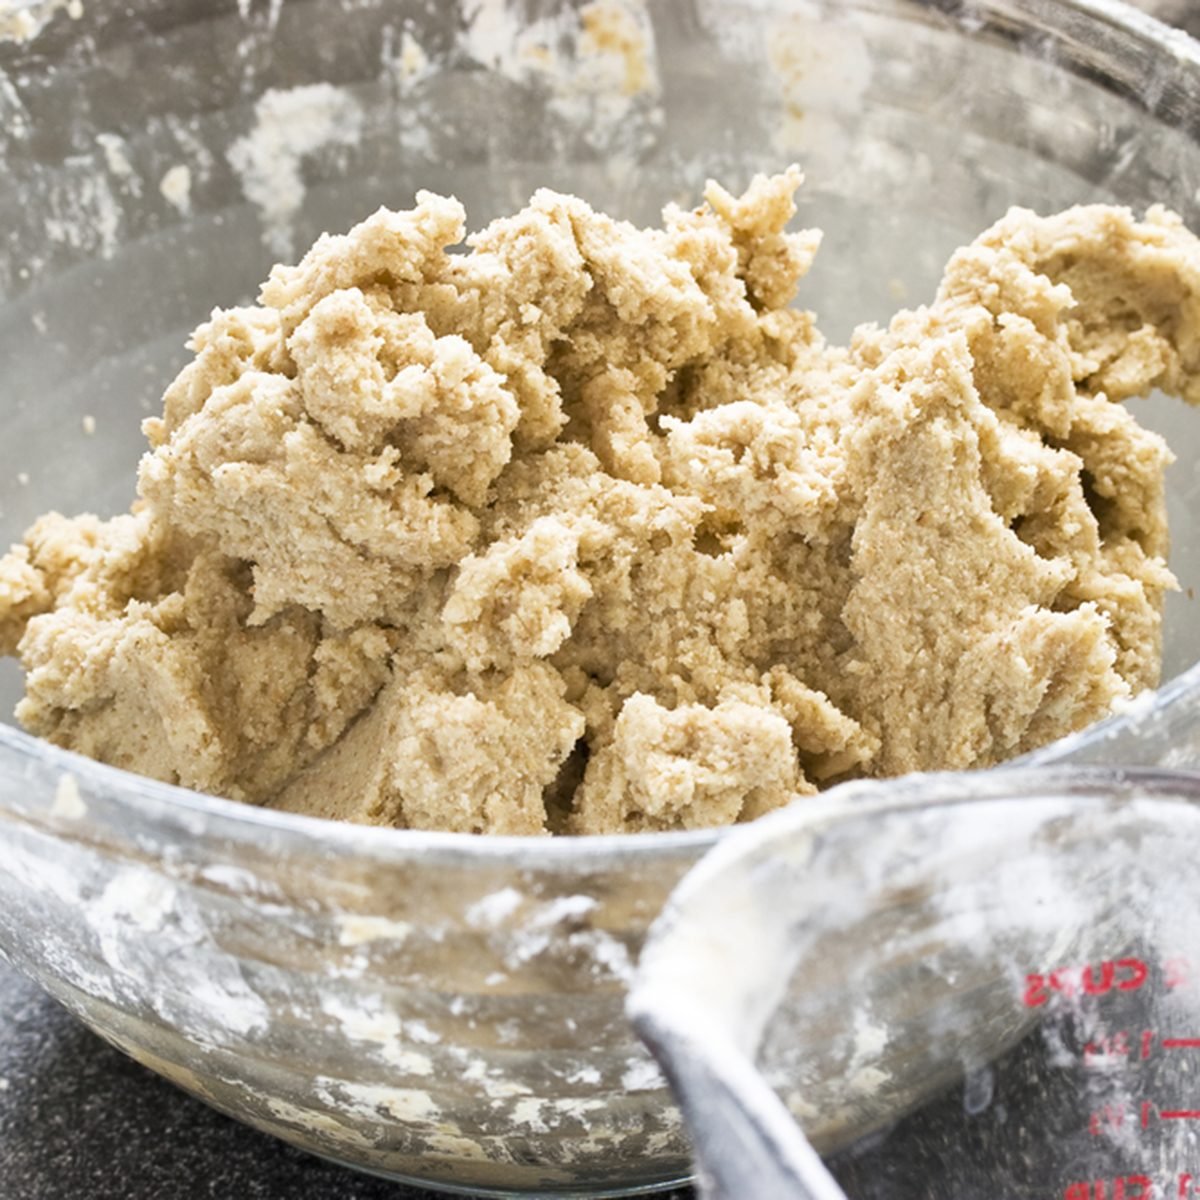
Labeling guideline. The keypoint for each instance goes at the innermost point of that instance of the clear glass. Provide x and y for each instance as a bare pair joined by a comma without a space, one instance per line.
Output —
430,1007
1023,934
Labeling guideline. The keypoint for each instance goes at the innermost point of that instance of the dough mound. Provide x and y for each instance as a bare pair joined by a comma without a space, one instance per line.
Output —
584,530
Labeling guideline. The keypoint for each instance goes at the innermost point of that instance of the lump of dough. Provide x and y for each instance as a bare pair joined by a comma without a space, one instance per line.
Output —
581,528
369,375
689,767
436,752
518,601
149,661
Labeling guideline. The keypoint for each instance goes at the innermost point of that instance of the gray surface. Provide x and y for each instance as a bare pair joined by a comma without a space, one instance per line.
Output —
80,1121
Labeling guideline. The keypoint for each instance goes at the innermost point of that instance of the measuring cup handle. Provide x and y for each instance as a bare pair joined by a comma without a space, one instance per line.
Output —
745,1142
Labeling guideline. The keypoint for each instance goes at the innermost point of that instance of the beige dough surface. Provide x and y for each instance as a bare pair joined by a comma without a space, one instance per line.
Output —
585,530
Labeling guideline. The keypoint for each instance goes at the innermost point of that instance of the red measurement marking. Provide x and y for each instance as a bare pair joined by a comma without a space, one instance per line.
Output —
1107,1047
1124,1187
1092,979
1111,1116
1107,1050
1130,1187
1180,1114
1100,978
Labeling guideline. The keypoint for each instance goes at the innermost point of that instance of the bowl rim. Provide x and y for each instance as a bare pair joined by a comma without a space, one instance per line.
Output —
162,804
203,817
242,823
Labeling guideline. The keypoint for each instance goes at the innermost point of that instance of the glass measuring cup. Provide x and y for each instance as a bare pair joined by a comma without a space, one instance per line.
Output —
1030,937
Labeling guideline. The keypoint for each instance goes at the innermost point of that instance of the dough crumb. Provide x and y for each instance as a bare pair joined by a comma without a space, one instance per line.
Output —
176,188
584,529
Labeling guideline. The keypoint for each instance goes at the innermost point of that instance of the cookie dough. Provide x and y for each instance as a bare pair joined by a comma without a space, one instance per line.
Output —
585,530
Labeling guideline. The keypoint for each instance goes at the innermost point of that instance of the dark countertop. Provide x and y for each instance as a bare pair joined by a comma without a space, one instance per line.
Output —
80,1121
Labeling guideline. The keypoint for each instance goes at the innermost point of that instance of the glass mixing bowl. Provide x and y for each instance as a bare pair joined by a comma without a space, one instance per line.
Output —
426,1006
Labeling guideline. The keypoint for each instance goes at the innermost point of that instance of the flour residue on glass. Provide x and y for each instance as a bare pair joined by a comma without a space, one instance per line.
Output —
289,126
23,20
598,66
